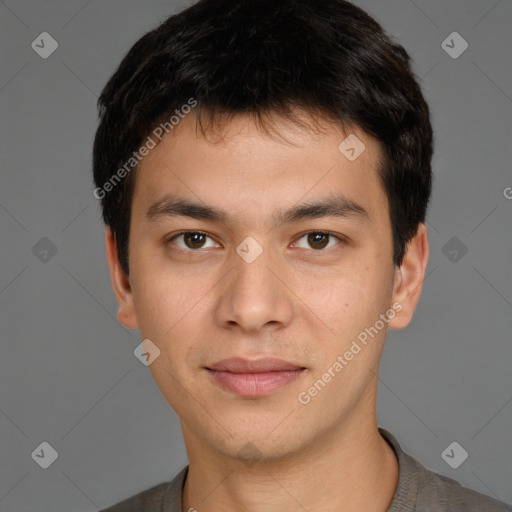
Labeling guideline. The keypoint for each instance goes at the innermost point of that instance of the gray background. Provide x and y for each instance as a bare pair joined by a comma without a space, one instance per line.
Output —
68,375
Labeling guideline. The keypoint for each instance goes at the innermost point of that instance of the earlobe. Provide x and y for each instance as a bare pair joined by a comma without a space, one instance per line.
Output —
121,284
409,278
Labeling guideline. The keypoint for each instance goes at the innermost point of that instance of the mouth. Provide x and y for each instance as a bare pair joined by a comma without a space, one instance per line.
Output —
252,378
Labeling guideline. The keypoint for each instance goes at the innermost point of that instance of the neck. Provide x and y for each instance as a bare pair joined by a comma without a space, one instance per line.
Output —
346,470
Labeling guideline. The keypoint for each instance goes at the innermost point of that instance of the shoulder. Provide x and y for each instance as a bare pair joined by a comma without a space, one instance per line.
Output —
421,489
148,500
448,495
165,496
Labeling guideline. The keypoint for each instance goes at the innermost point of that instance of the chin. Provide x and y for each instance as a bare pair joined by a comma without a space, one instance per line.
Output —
255,438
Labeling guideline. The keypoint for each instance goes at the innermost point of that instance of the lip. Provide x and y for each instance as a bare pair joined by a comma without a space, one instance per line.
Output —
252,378
241,365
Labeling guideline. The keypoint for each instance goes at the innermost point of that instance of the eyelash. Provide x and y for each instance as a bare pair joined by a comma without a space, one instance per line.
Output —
320,232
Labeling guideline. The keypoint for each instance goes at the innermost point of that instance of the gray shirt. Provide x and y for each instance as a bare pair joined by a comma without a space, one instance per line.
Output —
418,490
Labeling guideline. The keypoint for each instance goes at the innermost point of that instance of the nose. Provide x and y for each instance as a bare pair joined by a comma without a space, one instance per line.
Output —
252,296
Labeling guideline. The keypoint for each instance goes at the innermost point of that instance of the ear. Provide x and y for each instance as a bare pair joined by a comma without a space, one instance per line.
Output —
121,284
409,278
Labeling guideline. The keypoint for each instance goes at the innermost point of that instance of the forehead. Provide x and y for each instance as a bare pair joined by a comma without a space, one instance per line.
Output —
248,173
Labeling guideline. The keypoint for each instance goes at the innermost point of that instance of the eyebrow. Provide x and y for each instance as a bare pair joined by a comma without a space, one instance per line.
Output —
333,206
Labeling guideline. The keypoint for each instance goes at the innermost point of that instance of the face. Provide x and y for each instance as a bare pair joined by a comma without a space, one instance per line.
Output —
255,271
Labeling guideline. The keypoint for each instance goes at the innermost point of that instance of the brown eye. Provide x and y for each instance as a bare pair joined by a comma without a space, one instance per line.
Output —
319,240
192,240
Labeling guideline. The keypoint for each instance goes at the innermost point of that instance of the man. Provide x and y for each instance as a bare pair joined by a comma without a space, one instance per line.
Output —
264,170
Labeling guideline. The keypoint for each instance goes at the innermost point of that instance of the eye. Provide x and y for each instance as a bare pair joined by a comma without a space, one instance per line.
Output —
319,240
192,240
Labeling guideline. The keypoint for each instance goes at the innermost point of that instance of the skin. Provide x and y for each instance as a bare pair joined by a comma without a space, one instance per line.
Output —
299,301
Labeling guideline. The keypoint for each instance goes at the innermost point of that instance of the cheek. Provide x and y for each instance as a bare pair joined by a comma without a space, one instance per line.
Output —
349,301
171,309
158,303
167,314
